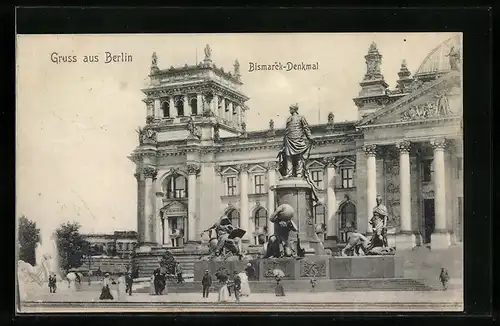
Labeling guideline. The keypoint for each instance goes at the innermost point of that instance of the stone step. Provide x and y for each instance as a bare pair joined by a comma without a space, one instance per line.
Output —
322,286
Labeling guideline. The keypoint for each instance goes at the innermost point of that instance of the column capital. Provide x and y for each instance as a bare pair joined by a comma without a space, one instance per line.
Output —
272,165
329,161
370,150
150,172
137,175
438,143
193,168
242,167
404,146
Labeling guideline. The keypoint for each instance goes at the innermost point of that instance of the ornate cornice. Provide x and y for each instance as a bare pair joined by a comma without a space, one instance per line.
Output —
150,172
193,168
438,143
404,146
370,150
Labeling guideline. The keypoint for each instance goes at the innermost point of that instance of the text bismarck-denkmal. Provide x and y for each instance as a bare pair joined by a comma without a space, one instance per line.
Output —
280,66
106,57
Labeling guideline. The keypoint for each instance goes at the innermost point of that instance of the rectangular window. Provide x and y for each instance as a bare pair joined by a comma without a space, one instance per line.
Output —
317,178
231,186
347,177
427,170
259,184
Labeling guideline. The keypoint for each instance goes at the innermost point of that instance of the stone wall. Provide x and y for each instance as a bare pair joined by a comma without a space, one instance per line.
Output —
110,265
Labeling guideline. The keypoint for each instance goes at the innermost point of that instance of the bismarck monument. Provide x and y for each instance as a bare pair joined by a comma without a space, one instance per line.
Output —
294,249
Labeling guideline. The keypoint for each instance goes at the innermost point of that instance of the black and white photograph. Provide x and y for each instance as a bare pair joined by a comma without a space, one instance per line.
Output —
239,172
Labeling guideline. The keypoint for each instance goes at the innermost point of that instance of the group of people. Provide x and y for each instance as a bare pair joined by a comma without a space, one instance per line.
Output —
123,287
158,281
237,284
52,283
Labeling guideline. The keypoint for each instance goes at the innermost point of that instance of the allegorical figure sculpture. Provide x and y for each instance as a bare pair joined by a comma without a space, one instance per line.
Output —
224,237
454,58
147,135
279,243
297,144
379,225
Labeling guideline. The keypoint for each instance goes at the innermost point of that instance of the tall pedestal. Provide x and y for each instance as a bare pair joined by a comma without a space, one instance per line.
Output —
298,194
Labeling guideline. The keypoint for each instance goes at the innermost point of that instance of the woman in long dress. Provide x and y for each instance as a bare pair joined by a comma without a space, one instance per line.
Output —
106,285
223,292
245,288
152,285
279,291
121,287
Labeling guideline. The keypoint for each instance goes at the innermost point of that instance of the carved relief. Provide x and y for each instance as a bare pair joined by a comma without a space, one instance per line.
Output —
432,109
287,266
147,135
392,191
242,167
218,169
312,268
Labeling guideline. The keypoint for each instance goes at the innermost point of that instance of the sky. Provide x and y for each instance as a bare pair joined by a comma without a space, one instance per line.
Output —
76,122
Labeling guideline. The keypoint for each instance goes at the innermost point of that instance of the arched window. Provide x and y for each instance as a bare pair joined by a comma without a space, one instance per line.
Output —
234,217
165,108
194,106
260,217
175,186
179,105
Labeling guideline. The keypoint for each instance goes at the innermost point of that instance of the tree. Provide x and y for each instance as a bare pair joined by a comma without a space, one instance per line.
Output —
71,245
29,236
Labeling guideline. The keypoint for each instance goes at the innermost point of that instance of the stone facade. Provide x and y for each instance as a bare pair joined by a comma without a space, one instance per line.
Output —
406,146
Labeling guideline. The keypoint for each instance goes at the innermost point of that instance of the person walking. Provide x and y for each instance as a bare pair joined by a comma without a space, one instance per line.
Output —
121,287
206,283
444,278
178,271
236,286
130,283
106,292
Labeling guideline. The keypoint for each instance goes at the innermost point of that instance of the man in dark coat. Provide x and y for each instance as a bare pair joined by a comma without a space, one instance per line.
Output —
129,281
206,283
236,285
250,271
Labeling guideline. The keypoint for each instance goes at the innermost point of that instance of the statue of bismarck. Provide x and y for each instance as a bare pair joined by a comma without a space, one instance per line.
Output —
296,145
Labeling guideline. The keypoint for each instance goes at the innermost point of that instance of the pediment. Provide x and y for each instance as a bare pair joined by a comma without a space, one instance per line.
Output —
315,165
174,207
437,99
229,170
257,168
346,162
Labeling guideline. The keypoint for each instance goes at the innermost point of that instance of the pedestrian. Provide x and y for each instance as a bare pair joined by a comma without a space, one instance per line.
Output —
444,278
52,283
245,287
250,271
105,291
178,271
130,282
152,284
313,284
236,286
223,292
279,291
121,287
206,283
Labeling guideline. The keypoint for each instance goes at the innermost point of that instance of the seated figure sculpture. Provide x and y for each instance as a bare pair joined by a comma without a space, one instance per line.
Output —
279,243
225,239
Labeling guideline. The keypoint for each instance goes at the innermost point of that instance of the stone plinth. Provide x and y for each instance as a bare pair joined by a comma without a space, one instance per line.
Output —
297,193
361,267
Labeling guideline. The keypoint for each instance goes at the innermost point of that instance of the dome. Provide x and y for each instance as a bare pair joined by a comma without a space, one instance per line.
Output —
438,60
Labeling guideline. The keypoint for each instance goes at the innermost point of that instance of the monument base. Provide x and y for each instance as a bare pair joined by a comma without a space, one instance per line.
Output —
318,266
405,241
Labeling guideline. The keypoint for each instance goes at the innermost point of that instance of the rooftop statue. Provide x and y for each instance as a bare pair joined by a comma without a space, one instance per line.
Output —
454,57
154,60
208,52
147,135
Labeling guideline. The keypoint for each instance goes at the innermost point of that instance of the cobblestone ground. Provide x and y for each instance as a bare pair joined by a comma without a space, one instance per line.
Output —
306,297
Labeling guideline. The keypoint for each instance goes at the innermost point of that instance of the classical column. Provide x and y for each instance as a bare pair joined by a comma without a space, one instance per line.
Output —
331,199
193,170
199,103
244,223
271,177
223,108
230,112
149,175
441,237
173,109
157,108
371,182
216,106
405,239
157,216
238,115
187,108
